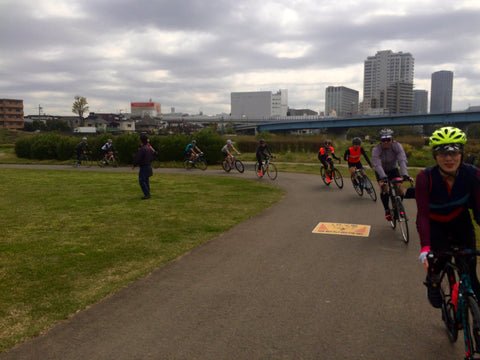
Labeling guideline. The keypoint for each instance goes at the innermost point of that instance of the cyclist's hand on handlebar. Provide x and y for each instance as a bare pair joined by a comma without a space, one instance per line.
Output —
407,178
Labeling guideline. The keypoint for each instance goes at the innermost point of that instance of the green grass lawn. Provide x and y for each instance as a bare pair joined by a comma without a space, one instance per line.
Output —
70,238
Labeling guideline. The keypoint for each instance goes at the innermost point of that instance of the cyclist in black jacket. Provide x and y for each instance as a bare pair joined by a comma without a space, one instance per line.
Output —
261,155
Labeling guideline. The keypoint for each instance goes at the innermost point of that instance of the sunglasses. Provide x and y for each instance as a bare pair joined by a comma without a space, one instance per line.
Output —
385,140
448,152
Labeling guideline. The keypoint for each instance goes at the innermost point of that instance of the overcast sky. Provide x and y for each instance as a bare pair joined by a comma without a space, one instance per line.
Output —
191,54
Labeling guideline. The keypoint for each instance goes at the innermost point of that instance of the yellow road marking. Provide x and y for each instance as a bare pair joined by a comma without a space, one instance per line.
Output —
342,229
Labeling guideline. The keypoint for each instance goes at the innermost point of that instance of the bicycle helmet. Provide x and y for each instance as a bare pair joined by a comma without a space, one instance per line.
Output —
386,133
194,142
448,139
262,141
328,142
229,141
84,138
356,141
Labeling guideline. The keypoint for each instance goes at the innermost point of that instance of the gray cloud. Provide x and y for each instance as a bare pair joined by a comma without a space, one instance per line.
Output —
191,54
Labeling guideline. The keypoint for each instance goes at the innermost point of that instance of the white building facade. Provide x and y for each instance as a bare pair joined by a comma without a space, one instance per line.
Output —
382,71
256,105
341,100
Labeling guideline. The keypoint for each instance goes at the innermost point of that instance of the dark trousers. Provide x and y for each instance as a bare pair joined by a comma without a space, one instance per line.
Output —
144,179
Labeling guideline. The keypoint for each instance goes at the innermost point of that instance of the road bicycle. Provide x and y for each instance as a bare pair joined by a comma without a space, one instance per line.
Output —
85,160
460,308
267,167
112,160
397,210
198,162
237,164
334,173
363,184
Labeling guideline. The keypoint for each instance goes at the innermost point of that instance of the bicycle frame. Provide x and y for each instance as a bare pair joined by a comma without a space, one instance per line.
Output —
457,263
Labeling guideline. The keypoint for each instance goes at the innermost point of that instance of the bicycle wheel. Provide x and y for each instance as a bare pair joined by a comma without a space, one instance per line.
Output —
87,161
187,164
201,163
226,166
239,166
357,186
255,169
393,211
369,188
447,280
402,221
471,328
272,171
101,163
338,178
115,161
324,176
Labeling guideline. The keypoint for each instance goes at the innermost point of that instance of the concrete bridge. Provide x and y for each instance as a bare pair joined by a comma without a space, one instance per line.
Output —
301,123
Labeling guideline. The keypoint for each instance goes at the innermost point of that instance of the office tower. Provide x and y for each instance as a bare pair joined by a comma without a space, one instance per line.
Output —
381,71
420,101
258,104
441,92
342,100
399,99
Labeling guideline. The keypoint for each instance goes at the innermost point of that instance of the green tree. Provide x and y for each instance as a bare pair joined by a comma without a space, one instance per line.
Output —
80,106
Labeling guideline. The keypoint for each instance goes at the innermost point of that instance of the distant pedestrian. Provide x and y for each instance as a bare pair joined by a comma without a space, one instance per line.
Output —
143,159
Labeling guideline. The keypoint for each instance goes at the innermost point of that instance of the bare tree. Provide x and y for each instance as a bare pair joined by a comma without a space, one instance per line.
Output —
80,106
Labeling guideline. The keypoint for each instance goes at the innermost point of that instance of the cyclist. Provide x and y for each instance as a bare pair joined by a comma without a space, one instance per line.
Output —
190,150
226,152
108,150
352,156
81,149
385,158
325,155
261,155
444,194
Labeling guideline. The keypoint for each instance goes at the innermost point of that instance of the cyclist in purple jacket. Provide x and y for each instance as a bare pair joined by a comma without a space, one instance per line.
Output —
386,156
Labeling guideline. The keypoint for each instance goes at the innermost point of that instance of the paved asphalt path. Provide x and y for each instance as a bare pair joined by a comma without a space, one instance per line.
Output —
269,288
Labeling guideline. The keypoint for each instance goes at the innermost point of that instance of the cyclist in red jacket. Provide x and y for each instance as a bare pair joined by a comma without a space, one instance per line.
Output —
352,156
325,155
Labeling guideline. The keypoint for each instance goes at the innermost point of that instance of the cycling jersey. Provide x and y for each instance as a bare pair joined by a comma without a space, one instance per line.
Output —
439,204
353,156
107,147
189,147
385,160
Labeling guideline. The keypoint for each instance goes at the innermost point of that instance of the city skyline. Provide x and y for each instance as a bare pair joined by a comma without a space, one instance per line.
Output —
192,56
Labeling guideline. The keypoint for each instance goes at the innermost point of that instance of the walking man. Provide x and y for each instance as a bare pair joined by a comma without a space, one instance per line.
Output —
143,159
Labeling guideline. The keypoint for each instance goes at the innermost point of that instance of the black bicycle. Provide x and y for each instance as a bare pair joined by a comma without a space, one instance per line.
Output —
363,184
267,167
333,173
237,164
198,162
84,160
397,210
111,160
460,308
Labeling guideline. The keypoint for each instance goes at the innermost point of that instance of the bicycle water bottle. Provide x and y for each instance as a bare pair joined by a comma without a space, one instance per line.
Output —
455,295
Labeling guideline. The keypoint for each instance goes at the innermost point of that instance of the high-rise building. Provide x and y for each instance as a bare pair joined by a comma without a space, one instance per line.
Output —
399,98
441,92
11,114
383,70
342,100
259,104
420,101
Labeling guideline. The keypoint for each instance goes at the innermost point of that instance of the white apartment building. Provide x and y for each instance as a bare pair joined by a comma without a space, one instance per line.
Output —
383,70
259,104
